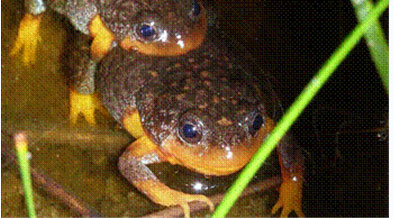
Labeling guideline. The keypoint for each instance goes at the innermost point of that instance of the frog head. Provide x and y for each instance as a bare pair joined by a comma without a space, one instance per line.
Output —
204,113
155,27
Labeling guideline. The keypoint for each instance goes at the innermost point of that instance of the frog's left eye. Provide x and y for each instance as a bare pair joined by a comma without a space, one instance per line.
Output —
190,129
146,31
256,123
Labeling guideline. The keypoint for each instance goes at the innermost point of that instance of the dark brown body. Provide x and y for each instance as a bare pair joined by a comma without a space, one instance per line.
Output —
187,99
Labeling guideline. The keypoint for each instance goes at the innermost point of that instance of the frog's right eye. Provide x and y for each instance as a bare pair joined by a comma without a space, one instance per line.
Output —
190,132
255,124
146,31
196,8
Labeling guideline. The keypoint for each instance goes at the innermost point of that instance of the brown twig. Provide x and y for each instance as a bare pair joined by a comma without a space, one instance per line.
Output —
176,211
95,139
53,188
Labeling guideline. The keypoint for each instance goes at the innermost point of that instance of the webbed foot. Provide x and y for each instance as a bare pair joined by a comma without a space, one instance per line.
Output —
28,38
290,196
85,104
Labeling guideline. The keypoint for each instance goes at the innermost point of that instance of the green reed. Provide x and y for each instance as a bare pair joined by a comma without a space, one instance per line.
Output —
297,107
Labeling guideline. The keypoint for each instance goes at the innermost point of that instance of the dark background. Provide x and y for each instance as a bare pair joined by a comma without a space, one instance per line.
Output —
342,132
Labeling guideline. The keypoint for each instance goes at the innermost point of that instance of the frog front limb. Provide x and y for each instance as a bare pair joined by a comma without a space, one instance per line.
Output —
28,32
290,192
133,165
83,99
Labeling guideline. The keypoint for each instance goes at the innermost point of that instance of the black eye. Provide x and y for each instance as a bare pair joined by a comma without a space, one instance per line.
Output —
147,31
256,124
190,130
196,8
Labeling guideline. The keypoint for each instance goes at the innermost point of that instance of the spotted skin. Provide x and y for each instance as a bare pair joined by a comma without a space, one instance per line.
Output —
121,16
164,90
206,88
175,27
155,96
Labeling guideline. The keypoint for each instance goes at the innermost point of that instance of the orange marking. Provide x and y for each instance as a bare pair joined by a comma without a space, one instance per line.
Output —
170,47
215,161
102,38
132,123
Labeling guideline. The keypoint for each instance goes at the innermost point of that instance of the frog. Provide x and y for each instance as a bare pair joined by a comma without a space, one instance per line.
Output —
202,110
151,27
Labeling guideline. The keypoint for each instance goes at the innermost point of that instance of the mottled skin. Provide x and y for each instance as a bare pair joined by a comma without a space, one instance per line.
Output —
118,21
108,23
154,87
196,87
206,88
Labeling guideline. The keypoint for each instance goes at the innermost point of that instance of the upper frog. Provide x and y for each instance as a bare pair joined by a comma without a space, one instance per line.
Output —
155,27
152,27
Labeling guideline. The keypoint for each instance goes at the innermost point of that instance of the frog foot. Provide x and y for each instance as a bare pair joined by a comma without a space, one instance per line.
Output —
85,104
290,196
169,197
28,38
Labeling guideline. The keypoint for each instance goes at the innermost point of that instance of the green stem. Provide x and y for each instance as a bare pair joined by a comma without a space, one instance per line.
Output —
295,110
376,41
21,150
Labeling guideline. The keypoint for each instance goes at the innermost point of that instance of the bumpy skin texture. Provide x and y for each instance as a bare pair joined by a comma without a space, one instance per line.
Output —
80,12
203,87
122,16
155,96
198,87
82,66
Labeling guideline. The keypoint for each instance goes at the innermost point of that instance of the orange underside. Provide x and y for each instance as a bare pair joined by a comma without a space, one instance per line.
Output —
214,161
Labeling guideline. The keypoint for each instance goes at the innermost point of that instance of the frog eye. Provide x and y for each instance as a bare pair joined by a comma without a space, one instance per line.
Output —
196,8
256,124
190,132
146,31
195,11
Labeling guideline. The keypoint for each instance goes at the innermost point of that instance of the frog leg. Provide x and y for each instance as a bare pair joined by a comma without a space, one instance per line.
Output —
290,191
102,38
83,99
28,32
133,165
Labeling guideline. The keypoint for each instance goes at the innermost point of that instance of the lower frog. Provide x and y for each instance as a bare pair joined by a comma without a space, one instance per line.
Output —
200,110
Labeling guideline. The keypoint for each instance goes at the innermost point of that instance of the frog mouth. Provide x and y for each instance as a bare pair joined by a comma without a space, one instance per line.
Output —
172,46
215,161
